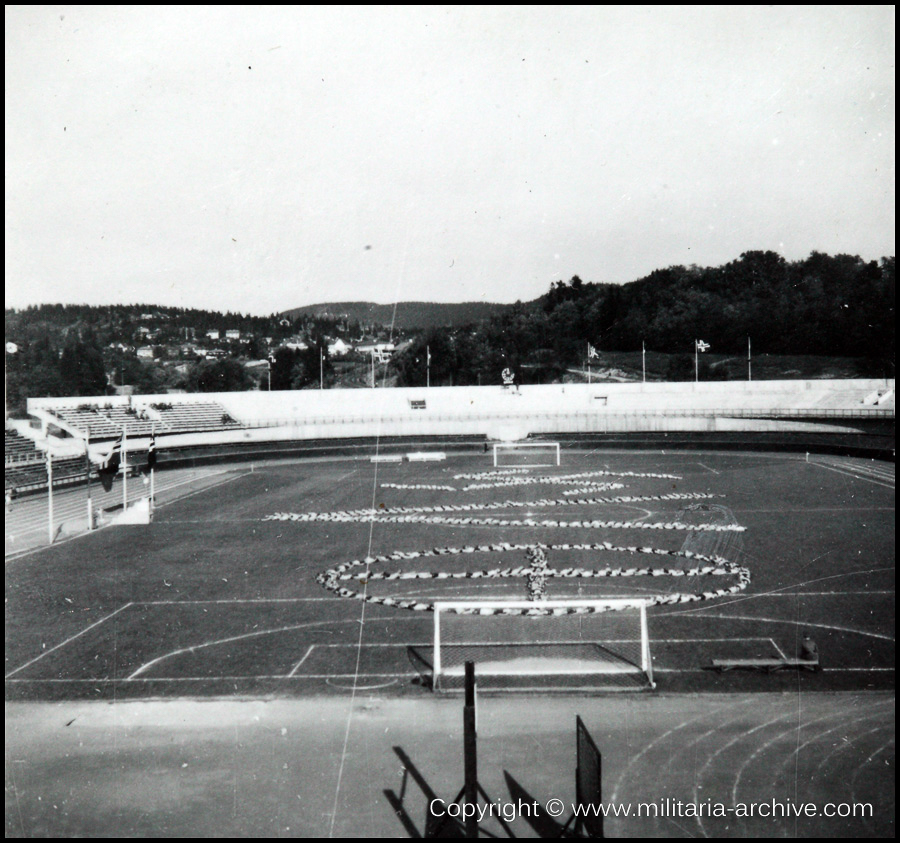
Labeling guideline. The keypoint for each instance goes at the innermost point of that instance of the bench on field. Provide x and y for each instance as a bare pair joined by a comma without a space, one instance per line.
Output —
766,665
426,456
387,458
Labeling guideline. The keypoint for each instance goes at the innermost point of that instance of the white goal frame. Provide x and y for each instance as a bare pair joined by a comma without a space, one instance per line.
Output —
515,446
543,611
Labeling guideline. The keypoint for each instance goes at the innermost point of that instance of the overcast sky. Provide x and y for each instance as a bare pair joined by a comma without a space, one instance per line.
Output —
261,158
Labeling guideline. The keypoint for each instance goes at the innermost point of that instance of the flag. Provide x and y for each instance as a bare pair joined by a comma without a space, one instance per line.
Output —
702,346
592,352
109,465
151,454
428,355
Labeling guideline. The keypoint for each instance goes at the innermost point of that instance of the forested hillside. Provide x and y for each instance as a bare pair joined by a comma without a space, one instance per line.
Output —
838,306
821,307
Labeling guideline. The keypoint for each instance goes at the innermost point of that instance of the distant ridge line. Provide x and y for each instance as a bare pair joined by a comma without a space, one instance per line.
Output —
409,314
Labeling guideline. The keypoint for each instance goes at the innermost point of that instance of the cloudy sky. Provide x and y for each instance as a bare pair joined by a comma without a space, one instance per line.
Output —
261,158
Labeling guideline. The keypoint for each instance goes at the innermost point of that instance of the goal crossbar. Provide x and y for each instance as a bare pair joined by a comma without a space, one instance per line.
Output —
552,449
554,641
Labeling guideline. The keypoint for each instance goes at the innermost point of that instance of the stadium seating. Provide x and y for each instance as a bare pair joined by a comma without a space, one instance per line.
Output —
18,449
194,416
106,421
88,419
34,476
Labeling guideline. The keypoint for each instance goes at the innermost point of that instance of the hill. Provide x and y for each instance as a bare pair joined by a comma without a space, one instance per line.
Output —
408,314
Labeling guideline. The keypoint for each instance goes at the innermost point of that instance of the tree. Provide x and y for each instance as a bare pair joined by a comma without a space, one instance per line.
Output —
218,376
81,368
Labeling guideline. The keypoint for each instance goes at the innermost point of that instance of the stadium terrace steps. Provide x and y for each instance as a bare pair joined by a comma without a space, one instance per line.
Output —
108,421
87,419
200,416
19,449
538,409
34,476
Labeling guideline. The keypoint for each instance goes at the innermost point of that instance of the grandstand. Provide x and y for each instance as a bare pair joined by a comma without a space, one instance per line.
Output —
188,417
100,418
18,449
25,478
87,420
490,410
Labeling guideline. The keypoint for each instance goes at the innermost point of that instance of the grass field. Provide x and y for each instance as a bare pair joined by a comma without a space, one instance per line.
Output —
192,677
213,598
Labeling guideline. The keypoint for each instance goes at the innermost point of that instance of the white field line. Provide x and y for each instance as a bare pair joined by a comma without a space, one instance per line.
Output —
879,469
853,475
68,640
15,555
795,623
228,640
296,667
320,676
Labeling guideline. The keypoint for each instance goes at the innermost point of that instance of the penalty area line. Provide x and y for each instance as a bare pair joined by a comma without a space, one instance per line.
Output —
67,641
854,476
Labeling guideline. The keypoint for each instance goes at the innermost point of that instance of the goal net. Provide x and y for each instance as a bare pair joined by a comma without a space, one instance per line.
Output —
526,453
543,645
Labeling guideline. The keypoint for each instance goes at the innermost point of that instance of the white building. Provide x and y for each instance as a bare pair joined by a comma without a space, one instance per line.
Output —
339,348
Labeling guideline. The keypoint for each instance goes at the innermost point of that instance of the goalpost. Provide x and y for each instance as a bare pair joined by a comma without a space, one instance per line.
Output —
545,644
526,453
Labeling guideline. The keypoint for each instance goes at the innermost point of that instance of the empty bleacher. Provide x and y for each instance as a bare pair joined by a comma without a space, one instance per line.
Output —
25,477
195,416
137,422
107,421
19,449
89,420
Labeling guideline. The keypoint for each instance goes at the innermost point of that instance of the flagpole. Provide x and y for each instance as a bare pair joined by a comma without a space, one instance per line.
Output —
125,469
696,362
49,494
321,368
589,362
152,468
87,462
427,367
643,363
749,371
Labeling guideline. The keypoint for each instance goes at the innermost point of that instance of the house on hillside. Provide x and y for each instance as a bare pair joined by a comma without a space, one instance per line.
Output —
381,351
339,348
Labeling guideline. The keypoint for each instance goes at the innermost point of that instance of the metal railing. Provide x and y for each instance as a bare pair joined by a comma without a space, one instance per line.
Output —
603,415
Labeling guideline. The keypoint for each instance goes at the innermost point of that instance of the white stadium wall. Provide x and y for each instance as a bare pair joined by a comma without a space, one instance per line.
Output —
510,413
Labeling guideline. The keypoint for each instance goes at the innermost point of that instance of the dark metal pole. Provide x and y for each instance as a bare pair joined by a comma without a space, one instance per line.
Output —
470,752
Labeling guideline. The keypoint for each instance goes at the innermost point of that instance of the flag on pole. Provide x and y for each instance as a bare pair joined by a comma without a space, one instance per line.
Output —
592,352
151,454
702,346
109,465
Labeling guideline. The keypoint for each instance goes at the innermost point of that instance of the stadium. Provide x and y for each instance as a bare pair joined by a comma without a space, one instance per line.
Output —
263,628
